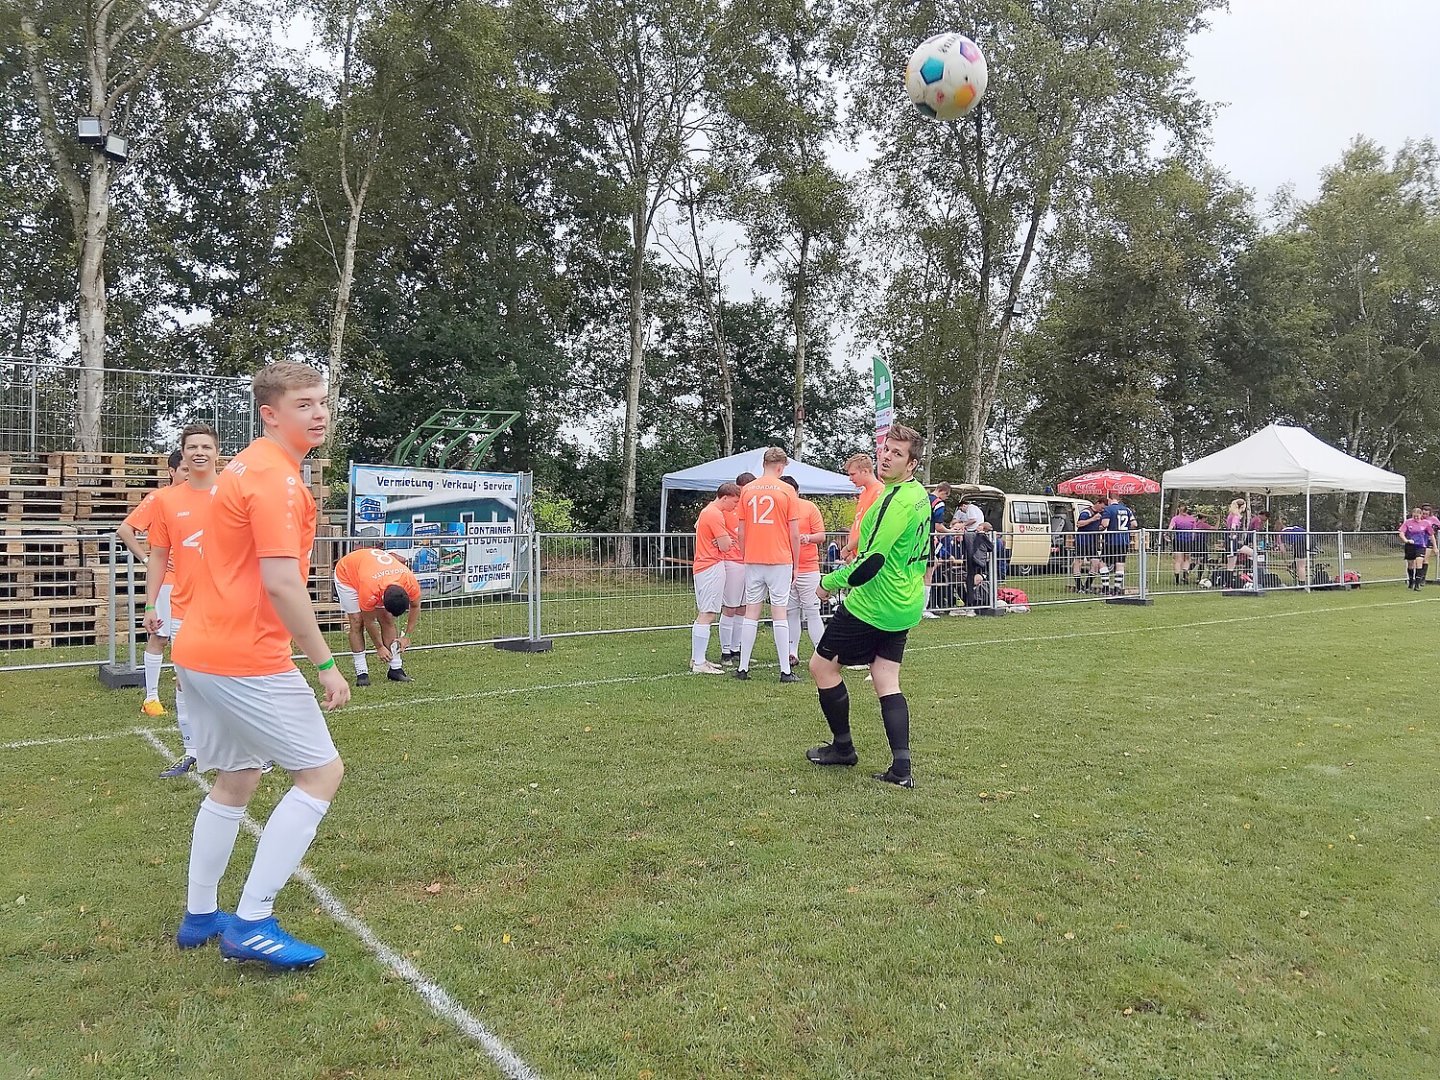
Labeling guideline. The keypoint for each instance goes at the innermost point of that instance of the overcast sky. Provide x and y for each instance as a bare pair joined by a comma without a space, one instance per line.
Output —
1298,79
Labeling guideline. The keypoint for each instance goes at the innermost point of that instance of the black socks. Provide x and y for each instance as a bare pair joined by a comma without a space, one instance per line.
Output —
835,704
895,712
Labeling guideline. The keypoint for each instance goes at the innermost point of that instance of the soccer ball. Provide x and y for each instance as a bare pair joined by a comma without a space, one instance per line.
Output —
946,77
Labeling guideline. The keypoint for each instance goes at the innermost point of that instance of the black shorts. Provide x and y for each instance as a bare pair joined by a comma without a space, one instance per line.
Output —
1187,543
854,641
1414,551
1087,545
1117,547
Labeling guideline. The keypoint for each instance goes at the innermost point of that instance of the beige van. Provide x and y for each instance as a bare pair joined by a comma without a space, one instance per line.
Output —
1034,526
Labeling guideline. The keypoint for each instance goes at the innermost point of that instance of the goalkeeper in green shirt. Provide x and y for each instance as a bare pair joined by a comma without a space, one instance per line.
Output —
885,596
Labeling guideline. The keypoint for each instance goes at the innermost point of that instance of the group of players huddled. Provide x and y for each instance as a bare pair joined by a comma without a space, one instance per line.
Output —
759,542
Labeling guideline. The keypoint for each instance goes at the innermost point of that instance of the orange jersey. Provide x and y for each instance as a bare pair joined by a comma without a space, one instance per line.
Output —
179,527
370,571
767,506
732,523
868,494
713,524
142,518
261,510
811,524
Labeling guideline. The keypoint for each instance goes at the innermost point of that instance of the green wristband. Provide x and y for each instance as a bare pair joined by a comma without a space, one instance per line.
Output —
326,666
149,607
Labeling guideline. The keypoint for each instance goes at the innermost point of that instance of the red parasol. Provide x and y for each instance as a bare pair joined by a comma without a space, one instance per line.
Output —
1109,482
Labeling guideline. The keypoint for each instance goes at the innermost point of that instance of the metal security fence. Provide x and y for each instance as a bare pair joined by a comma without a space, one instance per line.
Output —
60,599
1208,560
141,411
72,598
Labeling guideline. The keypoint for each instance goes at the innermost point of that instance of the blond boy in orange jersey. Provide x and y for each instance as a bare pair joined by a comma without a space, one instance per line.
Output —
770,546
374,589
176,534
139,521
247,701
716,549
860,468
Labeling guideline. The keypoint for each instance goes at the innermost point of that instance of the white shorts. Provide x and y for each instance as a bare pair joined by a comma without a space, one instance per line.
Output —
710,588
772,579
174,628
162,608
348,597
734,583
242,721
803,594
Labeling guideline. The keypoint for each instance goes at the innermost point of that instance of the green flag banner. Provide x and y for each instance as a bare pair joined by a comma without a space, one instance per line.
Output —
884,401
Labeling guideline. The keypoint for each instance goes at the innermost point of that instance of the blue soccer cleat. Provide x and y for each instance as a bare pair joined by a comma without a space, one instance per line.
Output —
263,941
197,930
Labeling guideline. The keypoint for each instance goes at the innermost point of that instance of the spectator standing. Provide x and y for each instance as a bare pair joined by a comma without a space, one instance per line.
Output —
1183,528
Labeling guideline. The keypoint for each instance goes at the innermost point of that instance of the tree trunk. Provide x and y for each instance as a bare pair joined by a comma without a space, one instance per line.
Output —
714,316
91,307
338,318
802,341
639,229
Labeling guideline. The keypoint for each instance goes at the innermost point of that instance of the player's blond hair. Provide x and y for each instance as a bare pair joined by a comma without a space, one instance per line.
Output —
859,459
273,381
776,455
910,437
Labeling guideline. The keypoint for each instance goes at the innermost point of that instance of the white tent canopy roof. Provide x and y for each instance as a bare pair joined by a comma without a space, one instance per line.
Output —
1282,460
712,474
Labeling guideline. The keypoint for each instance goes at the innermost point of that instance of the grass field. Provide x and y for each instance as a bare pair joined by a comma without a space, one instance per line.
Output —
1191,840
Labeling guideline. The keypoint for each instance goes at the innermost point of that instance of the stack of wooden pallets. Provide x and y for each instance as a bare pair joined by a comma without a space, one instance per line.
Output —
56,516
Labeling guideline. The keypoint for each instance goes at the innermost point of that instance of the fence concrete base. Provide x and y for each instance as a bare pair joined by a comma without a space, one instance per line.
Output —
991,611
1130,601
1242,592
527,645
121,676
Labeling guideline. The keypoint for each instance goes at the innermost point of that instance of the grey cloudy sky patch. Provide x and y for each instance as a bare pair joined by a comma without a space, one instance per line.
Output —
1301,78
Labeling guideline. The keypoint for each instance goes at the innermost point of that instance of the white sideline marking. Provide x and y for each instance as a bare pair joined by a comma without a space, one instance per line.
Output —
101,736
1123,630
584,684
441,1003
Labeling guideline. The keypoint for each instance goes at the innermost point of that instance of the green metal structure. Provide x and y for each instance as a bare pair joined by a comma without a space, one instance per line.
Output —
453,431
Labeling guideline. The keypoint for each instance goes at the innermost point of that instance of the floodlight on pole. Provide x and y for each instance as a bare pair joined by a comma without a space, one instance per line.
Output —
89,130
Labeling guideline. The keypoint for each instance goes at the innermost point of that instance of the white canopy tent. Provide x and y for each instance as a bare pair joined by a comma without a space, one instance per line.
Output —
712,474
1281,460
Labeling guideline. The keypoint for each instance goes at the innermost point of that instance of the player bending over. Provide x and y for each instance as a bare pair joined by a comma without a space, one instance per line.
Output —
374,589
885,598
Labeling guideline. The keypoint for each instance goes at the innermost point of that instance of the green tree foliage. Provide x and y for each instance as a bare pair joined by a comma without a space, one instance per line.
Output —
1076,92
1123,368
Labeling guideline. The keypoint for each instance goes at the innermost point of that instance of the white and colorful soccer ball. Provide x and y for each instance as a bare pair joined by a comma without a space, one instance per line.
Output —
946,77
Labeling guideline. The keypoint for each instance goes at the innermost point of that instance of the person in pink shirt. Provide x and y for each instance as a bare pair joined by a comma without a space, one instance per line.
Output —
1183,530
1238,540
1419,536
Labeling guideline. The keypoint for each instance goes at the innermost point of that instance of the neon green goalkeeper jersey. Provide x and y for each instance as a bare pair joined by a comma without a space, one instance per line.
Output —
895,536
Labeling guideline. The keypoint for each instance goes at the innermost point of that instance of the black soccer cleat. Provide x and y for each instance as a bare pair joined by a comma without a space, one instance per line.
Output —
363,679
889,776
398,675
742,673
789,676
830,754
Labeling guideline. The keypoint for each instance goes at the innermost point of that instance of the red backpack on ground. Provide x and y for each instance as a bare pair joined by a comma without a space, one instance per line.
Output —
1012,596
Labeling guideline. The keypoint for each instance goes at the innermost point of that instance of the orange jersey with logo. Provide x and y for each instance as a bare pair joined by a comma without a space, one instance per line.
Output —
868,494
142,518
370,571
811,524
179,527
711,526
261,510
767,506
